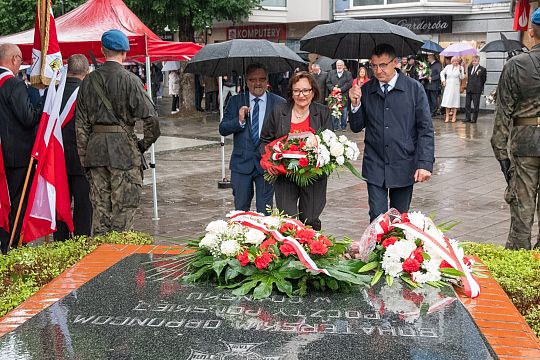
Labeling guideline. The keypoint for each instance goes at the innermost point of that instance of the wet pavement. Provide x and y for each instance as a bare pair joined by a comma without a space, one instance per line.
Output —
466,186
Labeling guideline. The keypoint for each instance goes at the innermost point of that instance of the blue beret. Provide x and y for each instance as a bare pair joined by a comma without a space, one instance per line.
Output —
535,17
115,40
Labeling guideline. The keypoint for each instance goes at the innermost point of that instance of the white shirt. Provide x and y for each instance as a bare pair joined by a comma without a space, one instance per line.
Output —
391,85
262,109
5,68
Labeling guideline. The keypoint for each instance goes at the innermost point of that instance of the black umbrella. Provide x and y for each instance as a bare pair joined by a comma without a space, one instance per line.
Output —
235,55
325,63
355,39
503,45
431,46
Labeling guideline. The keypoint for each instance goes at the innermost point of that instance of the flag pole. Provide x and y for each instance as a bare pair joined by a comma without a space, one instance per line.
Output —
152,148
23,195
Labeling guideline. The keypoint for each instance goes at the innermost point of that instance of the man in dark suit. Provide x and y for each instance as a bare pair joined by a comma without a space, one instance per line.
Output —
343,79
79,187
476,78
18,121
244,117
399,145
320,77
433,85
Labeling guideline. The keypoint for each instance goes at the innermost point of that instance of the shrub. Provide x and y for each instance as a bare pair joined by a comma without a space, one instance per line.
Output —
24,271
518,273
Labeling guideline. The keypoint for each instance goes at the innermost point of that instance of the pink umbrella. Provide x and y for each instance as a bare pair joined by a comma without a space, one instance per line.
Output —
459,49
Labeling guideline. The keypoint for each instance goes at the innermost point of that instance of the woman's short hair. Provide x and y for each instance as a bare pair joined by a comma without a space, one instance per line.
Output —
303,75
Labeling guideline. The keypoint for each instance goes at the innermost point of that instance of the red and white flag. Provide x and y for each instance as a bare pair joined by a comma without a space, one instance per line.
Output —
521,16
49,195
5,203
46,57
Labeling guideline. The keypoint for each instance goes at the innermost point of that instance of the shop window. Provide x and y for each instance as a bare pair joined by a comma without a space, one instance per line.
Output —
399,1
368,2
274,3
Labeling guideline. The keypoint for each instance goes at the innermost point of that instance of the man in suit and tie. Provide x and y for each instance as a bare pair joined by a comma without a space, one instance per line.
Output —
244,117
79,187
342,79
320,77
476,78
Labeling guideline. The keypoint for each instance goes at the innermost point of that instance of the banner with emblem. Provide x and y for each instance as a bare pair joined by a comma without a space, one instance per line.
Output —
521,15
46,56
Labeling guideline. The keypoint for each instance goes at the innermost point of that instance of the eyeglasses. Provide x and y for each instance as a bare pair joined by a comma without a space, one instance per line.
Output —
382,66
304,92
18,56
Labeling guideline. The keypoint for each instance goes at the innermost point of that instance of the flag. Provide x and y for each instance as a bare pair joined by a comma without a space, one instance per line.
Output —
521,16
46,57
5,204
49,195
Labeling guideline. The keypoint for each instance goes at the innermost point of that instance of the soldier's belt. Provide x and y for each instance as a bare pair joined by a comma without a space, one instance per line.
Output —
527,121
111,129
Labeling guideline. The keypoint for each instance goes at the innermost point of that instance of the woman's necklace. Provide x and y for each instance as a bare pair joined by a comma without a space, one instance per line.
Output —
298,116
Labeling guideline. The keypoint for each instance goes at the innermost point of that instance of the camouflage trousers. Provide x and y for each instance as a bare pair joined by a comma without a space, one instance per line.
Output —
115,195
522,196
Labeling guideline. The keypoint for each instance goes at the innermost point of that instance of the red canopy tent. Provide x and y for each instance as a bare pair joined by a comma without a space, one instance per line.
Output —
80,30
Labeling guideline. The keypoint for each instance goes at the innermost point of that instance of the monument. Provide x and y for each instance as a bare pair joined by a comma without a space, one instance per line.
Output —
139,309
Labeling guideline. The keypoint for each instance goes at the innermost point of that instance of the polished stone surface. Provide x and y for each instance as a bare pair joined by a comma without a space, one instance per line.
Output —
138,309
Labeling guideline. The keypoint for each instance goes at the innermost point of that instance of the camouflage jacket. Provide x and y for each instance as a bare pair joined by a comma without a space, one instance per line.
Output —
518,95
130,103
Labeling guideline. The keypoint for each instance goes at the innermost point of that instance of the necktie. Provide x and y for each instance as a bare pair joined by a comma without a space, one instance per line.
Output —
255,122
474,70
385,91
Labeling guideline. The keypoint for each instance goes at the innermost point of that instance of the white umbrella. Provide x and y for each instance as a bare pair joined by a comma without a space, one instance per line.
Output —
171,66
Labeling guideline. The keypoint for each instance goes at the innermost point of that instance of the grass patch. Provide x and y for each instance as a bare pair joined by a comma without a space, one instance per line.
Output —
24,271
518,273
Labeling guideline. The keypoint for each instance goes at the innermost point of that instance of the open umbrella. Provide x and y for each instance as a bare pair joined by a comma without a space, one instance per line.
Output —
431,46
325,63
355,39
459,49
503,45
235,55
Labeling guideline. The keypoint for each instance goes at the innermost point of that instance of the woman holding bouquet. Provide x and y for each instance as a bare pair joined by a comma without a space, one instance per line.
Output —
300,114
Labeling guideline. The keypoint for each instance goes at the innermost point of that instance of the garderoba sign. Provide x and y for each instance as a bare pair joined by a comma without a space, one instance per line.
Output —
425,25
268,32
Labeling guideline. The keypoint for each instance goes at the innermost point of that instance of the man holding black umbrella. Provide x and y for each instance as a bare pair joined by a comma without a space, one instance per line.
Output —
244,117
399,141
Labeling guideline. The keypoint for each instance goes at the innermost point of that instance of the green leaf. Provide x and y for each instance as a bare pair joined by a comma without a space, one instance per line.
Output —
426,256
284,286
377,277
389,280
409,281
198,274
264,289
332,284
246,288
353,170
203,261
369,266
349,277
219,265
231,273
451,272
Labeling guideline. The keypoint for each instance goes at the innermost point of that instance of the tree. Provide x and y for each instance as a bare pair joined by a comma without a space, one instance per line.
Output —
19,15
190,15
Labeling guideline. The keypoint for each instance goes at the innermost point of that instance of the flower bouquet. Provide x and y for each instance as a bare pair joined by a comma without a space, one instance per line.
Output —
305,156
423,70
411,247
336,102
251,252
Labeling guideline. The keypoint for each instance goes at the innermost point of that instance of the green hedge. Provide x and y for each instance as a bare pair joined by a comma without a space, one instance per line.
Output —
518,273
24,271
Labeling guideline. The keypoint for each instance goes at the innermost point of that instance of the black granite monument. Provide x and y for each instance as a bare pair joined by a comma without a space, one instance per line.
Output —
139,309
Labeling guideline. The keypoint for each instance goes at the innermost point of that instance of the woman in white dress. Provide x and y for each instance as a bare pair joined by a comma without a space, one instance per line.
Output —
451,77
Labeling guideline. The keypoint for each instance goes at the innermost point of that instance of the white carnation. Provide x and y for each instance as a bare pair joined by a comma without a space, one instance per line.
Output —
217,227
340,160
209,241
336,149
423,278
233,230
254,236
234,212
328,136
392,266
349,153
272,221
343,139
400,249
417,219
230,247
324,155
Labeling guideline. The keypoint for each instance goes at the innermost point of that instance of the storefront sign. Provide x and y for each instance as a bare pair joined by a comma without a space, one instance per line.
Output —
425,25
269,32
167,36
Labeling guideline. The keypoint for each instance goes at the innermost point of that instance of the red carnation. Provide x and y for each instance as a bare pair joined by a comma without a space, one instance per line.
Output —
293,147
262,261
243,257
417,255
318,248
444,264
266,243
389,241
287,249
305,235
301,144
410,265
287,228
303,162
325,240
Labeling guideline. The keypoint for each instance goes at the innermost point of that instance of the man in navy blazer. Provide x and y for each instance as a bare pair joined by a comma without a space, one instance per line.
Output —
244,117
399,142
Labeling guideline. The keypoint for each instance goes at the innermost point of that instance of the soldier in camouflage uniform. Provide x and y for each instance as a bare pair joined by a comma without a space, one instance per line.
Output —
109,102
516,138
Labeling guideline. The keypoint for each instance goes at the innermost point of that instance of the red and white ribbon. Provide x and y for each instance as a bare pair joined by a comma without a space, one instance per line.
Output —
248,219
